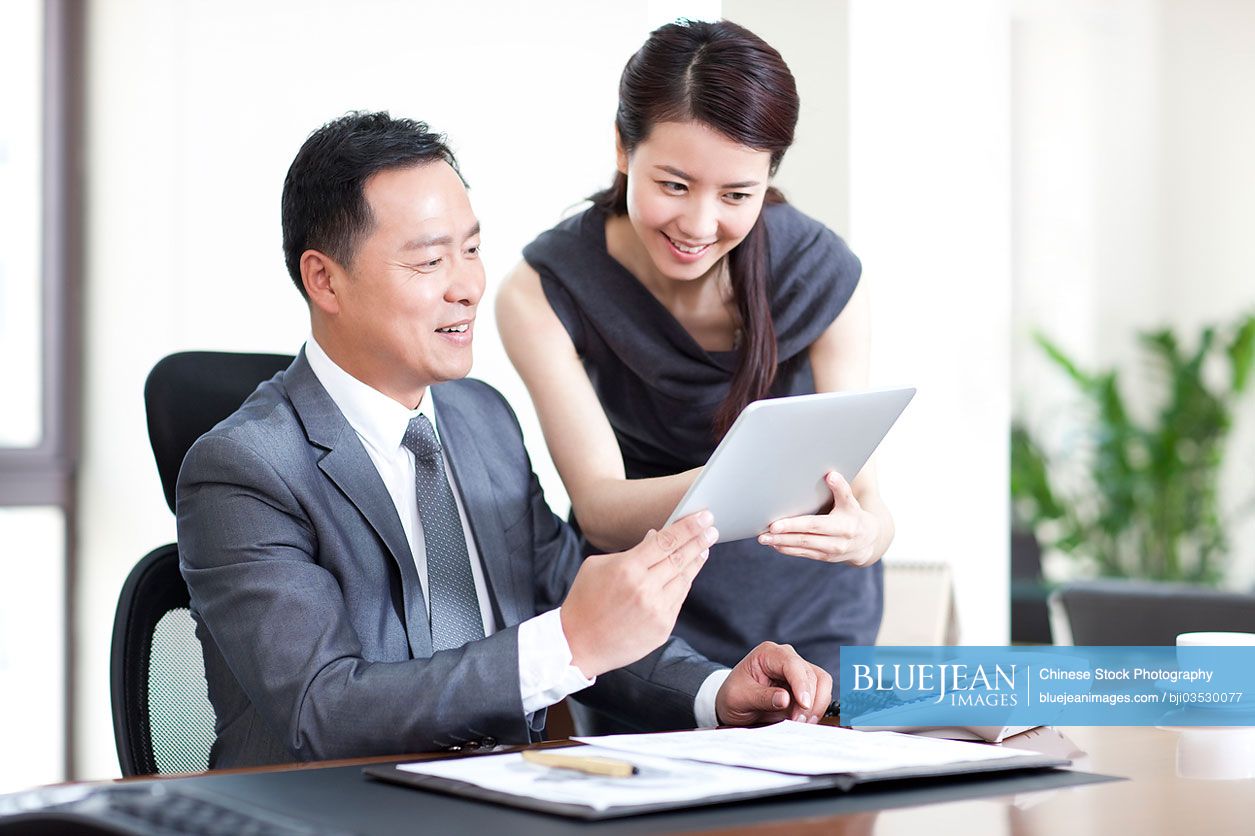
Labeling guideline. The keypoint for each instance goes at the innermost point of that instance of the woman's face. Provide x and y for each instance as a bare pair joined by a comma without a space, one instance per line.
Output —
693,194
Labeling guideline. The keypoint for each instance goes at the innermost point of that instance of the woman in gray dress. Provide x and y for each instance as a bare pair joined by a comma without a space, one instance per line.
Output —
645,324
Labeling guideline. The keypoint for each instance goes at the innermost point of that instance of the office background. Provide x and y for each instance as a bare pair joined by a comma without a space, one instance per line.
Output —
1080,166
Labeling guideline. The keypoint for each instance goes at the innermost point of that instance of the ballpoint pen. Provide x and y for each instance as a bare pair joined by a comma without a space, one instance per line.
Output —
607,767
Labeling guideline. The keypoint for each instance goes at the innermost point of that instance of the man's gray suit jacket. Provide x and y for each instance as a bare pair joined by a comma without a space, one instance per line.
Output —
307,600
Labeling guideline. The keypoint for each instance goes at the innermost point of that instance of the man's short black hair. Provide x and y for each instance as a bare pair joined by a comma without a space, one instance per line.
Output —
324,198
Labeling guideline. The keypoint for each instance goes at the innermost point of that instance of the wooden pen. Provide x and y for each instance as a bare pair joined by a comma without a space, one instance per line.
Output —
590,765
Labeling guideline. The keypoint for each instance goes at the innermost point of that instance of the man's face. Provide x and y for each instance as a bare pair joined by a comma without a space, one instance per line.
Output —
407,302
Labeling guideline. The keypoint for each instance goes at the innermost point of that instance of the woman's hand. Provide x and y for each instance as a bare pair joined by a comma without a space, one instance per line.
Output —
846,534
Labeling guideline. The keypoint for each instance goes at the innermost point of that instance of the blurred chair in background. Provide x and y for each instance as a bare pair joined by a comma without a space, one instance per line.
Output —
1133,613
919,605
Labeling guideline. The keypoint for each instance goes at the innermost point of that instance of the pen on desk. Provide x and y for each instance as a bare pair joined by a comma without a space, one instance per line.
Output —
590,765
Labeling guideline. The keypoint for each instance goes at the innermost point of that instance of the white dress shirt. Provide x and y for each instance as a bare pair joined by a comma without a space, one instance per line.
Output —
546,674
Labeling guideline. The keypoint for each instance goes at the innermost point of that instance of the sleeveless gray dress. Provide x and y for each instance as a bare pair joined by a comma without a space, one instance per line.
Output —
660,391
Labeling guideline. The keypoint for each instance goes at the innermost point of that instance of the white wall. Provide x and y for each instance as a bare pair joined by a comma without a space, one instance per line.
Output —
1134,195
813,38
195,111
930,192
1208,203
1086,150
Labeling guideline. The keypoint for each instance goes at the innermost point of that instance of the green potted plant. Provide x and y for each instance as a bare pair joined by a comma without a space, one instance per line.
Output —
1140,498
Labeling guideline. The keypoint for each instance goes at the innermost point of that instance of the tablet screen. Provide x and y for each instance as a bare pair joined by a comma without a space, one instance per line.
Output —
773,460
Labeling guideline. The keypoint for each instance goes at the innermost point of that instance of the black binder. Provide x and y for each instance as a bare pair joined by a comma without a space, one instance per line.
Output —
838,782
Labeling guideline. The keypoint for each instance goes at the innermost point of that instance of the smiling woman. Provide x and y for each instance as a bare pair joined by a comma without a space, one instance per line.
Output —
693,195
644,325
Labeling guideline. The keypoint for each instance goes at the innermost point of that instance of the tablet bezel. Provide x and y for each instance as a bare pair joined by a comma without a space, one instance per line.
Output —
796,432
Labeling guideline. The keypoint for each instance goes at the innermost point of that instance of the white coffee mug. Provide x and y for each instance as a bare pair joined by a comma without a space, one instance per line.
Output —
1216,754
1215,639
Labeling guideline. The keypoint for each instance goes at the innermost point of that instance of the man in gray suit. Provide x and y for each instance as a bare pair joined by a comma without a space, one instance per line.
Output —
372,565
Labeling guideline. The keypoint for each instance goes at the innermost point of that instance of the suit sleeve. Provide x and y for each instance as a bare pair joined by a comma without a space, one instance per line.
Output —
279,621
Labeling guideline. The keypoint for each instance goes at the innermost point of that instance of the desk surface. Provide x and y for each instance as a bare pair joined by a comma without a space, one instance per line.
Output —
1154,801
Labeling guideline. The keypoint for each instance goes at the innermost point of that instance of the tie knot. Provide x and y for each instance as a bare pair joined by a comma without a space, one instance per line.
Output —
420,438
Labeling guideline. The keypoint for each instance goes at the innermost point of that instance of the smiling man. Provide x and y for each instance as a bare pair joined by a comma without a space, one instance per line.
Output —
372,565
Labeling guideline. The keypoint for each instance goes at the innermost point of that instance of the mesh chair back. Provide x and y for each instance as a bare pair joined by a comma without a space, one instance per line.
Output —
180,718
162,718
163,721
1145,613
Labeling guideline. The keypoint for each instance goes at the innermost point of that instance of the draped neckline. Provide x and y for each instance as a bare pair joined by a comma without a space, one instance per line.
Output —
652,306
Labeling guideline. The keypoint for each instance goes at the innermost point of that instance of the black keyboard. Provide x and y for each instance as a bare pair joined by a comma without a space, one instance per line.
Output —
150,809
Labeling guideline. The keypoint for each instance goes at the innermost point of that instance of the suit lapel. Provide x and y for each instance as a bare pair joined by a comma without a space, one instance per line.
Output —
474,483
348,466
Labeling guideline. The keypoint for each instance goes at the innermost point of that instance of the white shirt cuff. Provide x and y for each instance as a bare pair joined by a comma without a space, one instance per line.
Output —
546,675
704,704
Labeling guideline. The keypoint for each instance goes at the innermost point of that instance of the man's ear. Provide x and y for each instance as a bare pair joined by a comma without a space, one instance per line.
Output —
620,155
320,274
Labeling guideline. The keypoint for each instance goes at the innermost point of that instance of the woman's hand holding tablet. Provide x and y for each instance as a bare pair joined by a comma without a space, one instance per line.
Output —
772,473
846,534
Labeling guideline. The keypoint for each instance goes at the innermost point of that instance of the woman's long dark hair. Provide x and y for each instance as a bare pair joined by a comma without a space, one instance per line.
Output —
726,77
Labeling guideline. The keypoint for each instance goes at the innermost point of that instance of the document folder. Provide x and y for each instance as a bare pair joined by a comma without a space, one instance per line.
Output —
842,782
395,775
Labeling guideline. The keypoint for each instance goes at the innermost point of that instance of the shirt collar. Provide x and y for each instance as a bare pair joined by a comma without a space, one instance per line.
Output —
377,418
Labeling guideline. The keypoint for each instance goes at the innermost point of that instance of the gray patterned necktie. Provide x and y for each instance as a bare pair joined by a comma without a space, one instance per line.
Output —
455,615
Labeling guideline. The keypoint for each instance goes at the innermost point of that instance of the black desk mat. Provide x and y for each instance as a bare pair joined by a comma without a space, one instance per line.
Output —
345,798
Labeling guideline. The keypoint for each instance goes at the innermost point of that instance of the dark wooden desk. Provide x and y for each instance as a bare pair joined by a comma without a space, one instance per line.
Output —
1154,801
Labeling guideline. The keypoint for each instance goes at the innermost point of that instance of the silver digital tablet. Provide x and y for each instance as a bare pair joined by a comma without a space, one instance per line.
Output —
773,460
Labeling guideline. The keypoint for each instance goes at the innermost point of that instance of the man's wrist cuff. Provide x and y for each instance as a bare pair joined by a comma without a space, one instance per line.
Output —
704,704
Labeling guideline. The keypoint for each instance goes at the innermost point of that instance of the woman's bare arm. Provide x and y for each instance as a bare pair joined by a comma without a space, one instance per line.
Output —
614,512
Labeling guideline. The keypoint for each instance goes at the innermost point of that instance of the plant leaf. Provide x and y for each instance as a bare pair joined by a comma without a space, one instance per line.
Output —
1085,381
1241,353
1030,480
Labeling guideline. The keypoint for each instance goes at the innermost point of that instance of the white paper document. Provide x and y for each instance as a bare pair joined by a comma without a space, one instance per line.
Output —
803,749
659,779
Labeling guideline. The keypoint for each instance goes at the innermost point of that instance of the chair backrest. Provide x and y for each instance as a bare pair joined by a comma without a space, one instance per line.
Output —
1119,612
162,719
919,604
188,393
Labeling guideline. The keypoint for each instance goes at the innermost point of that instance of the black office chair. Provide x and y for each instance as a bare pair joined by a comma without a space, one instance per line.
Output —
162,719
1123,613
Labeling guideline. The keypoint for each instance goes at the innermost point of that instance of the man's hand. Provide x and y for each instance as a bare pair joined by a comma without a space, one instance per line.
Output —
846,534
623,606
773,683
